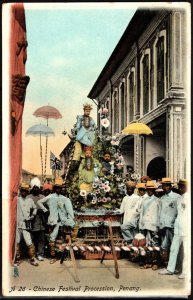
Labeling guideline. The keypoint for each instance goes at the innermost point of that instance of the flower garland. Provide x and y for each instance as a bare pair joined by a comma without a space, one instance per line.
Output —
108,192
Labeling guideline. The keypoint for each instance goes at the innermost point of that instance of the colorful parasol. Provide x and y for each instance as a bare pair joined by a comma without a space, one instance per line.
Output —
47,112
137,128
40,130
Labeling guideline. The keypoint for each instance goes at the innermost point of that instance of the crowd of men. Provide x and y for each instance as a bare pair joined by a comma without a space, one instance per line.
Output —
159,217
156,218
35,211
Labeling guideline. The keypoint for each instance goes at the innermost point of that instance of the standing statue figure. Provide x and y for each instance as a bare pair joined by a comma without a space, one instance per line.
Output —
88,171
85,128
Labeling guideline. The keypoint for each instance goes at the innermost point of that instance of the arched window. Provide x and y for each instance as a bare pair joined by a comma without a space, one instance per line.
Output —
145,98
145,63
107,105
116,112
131,96
160,69
122,99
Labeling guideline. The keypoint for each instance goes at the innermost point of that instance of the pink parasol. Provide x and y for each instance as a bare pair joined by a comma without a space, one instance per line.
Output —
47,112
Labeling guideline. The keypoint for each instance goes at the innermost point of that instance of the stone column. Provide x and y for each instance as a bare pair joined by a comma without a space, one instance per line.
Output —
175,142
142,142
137,86
175,131
176,50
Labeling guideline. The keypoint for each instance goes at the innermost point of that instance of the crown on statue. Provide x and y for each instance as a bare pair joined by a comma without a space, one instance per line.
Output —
87,106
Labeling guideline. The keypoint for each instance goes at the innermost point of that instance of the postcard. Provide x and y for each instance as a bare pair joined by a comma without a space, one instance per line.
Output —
96,142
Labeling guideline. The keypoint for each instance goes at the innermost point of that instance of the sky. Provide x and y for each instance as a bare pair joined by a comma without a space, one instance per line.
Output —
68,46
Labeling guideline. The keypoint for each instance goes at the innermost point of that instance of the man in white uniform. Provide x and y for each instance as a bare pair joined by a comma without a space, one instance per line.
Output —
180,233
61,213
141,190
168,213
26,210
130,207
149,222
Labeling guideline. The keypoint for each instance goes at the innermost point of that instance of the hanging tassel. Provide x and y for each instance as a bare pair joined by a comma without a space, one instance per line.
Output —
15,271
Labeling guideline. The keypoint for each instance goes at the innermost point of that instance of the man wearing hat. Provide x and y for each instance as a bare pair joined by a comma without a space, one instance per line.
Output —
130,207
159,192
26,210
149,221
168,213
61,213
39,221
141,190
180,232
47,189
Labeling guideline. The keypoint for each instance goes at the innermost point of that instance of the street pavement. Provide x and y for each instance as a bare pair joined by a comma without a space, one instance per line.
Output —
96,279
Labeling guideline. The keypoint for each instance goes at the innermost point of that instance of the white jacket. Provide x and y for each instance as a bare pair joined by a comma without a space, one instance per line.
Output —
181,222
25,207
60,207
130,206
168,209
149,214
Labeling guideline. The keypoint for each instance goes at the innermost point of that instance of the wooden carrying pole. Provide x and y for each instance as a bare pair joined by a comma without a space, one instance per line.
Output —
69,241
113,251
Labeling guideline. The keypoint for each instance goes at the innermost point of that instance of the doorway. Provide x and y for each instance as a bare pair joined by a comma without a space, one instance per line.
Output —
156,168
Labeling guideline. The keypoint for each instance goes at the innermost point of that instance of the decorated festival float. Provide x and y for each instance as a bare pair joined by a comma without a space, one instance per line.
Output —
95,183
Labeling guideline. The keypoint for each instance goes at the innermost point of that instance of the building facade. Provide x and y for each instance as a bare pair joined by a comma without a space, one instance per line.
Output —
26,176
145,80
